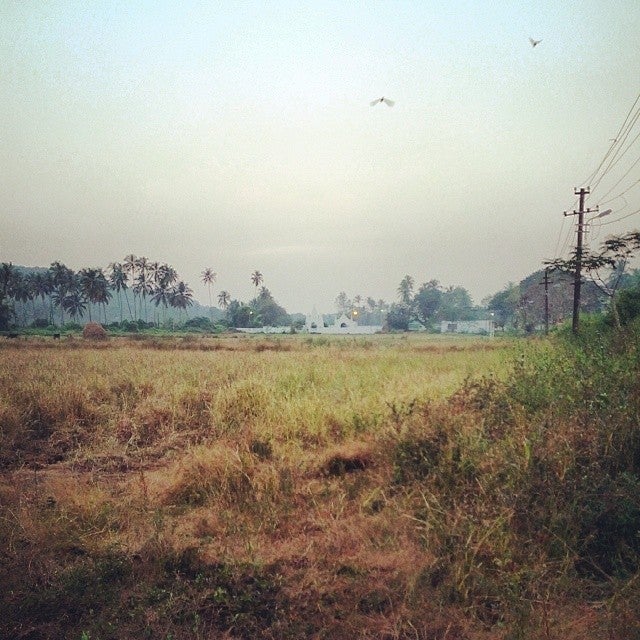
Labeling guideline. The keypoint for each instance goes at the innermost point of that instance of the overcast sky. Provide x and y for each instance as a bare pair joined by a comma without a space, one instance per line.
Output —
239,136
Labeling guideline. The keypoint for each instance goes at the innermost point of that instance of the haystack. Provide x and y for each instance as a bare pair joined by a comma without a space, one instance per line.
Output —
94,331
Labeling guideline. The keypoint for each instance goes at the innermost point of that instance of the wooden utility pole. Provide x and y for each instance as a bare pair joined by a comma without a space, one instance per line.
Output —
546,300
578,273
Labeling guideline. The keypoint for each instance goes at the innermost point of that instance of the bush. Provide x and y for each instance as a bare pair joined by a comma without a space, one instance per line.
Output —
198,323
628,304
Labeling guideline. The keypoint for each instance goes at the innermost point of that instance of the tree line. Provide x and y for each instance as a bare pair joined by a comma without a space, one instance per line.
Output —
544,298
65,294
519,307
144,292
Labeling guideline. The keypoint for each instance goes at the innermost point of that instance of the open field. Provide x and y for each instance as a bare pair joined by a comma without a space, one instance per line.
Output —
289,487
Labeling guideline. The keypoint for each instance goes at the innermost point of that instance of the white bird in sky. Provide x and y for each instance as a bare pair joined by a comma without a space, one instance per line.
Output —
388,102
534,42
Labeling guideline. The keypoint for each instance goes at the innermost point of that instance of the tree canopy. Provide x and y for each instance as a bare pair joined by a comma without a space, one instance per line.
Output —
430,304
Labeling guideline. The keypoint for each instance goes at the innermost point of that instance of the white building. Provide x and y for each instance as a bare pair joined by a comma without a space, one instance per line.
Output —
467,326
315,323
264,329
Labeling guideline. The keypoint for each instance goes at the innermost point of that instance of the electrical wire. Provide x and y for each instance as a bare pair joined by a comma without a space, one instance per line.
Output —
619,148
633,213
594,227
565,242
619,154
559,236
617,157
622,193
614,154
614,143
628,171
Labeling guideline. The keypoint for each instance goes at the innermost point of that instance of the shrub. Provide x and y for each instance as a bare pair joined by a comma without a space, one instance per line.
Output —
207,473
347,458
628,304
199,322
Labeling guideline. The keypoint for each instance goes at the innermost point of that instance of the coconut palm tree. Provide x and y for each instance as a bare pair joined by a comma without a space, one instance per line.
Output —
257,278
143,287
181,296
167,275
224,299
130,266
90,285
143,284
162,296
48,288
6,277
30,285
75,303
405,289
42,285
209,276
101,293
20,292
164,276
154,269
118,282
63,281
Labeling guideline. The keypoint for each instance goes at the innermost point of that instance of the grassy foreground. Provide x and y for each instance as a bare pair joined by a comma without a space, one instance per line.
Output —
378,487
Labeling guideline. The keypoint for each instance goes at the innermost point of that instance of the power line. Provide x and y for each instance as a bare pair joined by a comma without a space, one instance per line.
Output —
627,172
617,157
633,213
613,155
615,141
567,237
620,152
565,242
621,194
618,149
559,237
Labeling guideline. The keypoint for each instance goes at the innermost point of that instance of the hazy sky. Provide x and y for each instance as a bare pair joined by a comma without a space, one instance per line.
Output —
239,136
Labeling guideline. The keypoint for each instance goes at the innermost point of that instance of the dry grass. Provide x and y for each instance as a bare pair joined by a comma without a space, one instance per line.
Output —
278,488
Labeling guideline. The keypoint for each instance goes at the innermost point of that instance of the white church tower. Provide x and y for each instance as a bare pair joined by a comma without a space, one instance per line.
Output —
314,322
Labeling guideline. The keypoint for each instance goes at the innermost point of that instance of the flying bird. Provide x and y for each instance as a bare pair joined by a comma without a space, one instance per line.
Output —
534,43
388,102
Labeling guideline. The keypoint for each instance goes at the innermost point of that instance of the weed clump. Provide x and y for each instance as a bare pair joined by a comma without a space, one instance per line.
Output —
208,473
263,449
347,458
416,456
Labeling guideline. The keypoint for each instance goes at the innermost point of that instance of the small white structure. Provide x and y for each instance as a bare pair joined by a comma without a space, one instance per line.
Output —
314,323
264,329
467,326
344,322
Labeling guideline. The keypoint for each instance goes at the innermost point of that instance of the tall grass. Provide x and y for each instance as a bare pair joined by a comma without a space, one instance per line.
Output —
313,487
